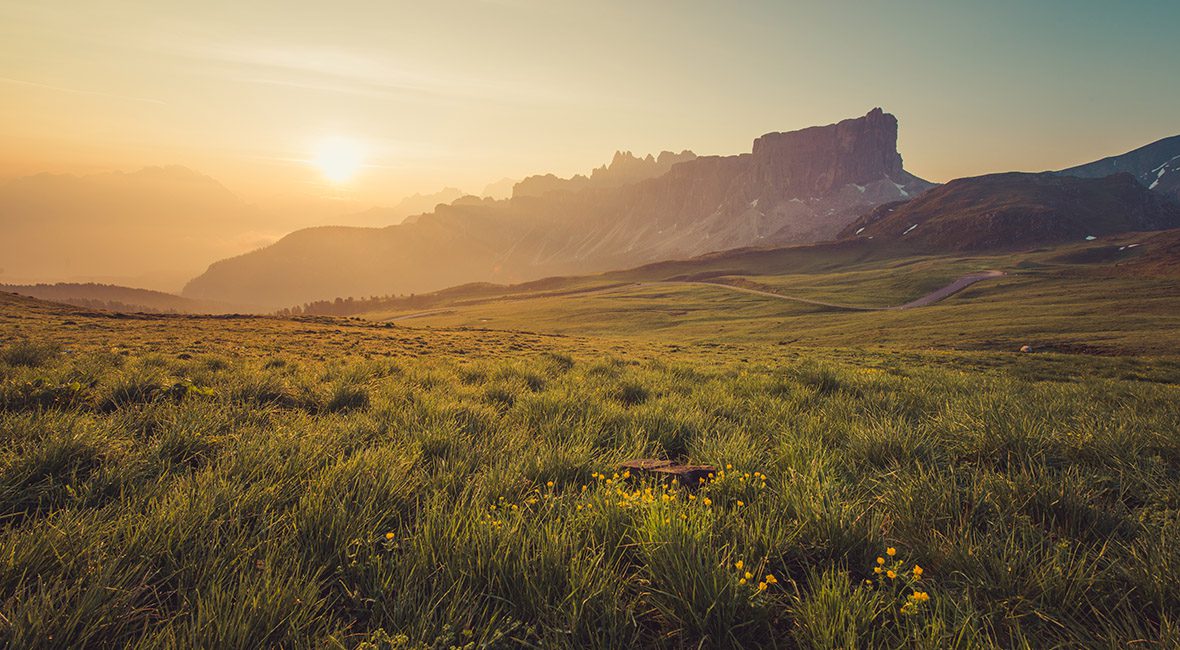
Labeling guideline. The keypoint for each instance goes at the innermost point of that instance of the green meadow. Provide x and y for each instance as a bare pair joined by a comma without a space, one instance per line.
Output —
881,479
465,492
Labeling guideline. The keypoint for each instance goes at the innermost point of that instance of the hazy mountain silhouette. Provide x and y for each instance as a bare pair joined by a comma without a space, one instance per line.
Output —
624,169
153,227
501,189
411,205
801,186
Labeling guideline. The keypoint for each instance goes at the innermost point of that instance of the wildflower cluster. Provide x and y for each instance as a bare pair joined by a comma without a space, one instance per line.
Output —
723,488
746,576
894,573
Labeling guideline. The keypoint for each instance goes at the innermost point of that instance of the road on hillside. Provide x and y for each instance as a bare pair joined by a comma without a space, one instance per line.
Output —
928,299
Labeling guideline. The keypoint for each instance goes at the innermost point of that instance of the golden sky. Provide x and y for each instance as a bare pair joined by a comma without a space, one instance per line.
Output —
463,93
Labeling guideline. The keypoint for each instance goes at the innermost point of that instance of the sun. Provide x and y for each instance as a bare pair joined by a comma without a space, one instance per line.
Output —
338,159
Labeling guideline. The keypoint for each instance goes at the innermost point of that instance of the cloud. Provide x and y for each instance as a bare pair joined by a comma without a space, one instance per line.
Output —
80,91
336,70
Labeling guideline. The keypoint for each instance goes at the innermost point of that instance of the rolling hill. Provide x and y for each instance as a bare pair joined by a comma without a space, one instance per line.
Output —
1156,166
116,298
1017,210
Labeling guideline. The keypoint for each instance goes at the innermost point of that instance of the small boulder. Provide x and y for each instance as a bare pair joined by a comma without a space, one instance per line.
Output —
1026,348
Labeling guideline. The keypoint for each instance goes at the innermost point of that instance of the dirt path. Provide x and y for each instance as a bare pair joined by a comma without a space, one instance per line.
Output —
928,299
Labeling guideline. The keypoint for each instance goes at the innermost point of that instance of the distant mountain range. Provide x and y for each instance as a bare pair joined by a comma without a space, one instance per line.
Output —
152,227
409,206
624,169
796,187
844,180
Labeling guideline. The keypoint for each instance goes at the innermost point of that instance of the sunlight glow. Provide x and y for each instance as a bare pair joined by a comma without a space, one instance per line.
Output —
338,159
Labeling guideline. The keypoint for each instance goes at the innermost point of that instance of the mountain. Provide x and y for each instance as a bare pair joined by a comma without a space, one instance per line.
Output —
1017,210
153,228
501,189
116,298
1156,166
624,169
411,205
796,187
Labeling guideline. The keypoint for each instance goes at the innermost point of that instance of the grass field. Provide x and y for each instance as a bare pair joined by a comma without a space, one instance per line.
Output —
260,482
1068,299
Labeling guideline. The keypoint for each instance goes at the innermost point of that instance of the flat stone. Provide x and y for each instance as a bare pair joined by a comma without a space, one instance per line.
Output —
646,464
688,475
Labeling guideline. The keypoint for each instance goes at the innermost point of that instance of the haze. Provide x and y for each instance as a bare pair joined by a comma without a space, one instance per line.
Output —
462,94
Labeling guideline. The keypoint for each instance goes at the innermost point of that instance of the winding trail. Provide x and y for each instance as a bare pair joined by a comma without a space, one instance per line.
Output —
928,299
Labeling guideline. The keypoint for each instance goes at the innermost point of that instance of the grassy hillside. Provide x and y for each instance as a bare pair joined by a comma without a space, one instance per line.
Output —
117,298
1115,295
246,482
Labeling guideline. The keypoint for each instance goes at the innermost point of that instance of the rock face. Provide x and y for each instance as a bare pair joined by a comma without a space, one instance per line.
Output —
624,169
1156,166
1015,210
797,187
820,160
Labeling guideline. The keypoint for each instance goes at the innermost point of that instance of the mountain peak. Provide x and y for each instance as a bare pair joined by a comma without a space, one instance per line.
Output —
817,160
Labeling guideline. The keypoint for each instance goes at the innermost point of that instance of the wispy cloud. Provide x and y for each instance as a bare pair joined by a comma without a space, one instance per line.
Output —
81,91
336,70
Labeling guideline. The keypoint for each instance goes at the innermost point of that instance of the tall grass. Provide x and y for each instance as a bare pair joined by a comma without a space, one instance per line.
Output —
209,502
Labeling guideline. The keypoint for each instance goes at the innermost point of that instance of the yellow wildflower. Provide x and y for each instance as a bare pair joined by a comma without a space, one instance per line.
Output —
917,571
707,501
739,564
880,560
389,535
761,586
749,575
742,581
770,579
890,551
890,574
549,484
740,503
876,569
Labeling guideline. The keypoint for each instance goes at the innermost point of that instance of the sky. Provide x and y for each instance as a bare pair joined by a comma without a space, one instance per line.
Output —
465,92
